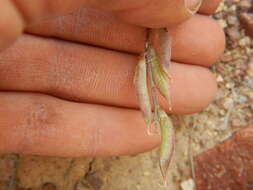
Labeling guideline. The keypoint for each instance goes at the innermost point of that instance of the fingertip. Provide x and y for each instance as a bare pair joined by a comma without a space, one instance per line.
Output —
192,3
215,42
209,6
193,88
210,89
11,24
202,40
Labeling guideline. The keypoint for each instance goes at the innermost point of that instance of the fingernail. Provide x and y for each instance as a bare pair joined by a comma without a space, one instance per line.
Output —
193,5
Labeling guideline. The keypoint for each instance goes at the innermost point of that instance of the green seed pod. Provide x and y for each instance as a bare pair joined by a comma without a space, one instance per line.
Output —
140,82
161,42
167,143
160,77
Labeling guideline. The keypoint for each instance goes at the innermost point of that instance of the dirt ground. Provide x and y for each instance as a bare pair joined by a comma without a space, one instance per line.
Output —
231,110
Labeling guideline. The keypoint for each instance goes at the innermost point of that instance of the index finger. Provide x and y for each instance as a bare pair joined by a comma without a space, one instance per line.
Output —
33,11
167,13
148,13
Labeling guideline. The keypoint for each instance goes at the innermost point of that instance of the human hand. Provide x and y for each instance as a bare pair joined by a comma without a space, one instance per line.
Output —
73,95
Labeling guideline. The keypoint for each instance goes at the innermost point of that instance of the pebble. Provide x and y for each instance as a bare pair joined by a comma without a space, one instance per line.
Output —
232,20
222,23
244,41
188,185
219,78
244,4
233,33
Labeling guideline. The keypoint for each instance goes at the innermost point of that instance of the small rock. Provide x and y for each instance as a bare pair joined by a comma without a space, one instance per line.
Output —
232,20
94,181
227,102
241,99
233,33
228,165
244,41
244,4
228,85
226,58
222,23
188,185
219,78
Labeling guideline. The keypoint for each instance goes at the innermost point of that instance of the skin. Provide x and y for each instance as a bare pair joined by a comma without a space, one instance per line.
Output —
73,94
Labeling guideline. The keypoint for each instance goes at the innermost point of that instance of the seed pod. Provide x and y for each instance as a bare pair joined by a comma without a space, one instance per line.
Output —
167,143
160,77
140,82
161,42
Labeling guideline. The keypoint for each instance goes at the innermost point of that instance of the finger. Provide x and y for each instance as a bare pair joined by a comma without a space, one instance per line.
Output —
143,12
191,43
43,125
9,30
162,14
88,74
209,6
32,11
204,46
24,12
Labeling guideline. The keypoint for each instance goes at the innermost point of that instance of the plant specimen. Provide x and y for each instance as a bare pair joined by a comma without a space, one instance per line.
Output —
153,71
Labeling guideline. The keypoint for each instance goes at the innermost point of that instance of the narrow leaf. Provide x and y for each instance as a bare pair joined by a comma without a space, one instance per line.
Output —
167,143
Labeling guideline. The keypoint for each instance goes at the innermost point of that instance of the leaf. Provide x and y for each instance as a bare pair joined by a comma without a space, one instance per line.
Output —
167,143
140,82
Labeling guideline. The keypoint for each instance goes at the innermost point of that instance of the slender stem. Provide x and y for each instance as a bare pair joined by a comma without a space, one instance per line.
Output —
154,95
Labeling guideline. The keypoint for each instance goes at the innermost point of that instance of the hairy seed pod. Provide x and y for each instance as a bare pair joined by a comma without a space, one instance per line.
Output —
140,82
160,77
161,42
